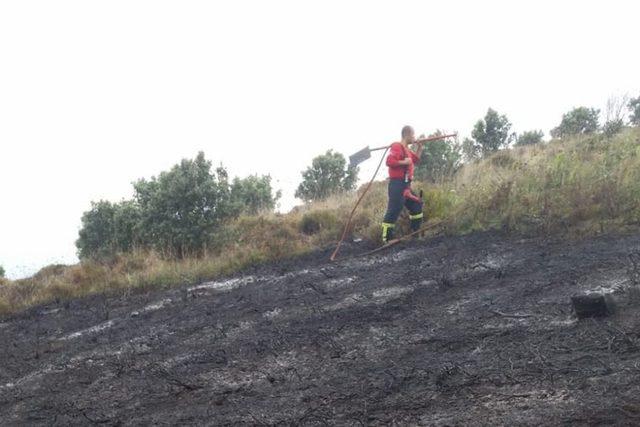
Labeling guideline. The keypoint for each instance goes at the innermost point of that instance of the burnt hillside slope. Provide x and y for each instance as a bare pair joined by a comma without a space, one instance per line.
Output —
473,330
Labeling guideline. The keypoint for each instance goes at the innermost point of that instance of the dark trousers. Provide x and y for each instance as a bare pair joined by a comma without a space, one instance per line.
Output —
398,199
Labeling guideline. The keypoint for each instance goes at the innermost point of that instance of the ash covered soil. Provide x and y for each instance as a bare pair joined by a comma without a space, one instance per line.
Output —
473,330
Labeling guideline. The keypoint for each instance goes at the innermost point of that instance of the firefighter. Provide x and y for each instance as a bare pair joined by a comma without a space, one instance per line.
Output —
401,161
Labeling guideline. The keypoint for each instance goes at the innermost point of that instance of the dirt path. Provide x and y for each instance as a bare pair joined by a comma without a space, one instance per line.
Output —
474,330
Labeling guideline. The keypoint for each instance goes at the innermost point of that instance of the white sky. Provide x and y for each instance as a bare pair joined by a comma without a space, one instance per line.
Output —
94,95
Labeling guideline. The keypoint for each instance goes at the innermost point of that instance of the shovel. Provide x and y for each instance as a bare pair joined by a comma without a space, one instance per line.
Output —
365,153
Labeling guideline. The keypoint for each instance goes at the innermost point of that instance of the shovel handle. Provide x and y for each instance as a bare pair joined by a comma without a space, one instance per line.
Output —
420,141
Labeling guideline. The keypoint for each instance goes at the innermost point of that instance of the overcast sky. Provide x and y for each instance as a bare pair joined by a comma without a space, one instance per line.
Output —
94,95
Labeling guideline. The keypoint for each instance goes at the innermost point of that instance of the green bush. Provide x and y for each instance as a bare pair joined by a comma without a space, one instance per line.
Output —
181,208
581,120
180,212
108,228
252,195
438,202
327,175
612,127
492,133
530,137
439,160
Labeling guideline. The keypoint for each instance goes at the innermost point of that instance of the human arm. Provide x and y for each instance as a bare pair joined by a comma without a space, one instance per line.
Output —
417,154
396,156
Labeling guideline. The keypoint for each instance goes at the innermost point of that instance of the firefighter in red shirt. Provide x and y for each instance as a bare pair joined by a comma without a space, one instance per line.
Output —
401,161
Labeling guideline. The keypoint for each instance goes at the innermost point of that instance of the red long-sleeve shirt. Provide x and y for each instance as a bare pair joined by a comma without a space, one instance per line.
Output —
398,152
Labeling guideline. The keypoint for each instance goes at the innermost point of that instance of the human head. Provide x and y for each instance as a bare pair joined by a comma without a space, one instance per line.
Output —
408,135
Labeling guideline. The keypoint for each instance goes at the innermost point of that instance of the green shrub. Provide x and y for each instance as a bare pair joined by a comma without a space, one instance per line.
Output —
579,121
612,127
439,160
438,203
530,137
327,175
178,214
492,133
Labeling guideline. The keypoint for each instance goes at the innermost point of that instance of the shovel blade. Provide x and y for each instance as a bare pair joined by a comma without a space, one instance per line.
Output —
359,157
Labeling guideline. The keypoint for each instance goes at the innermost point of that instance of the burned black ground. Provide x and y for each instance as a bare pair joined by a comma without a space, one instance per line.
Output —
474,330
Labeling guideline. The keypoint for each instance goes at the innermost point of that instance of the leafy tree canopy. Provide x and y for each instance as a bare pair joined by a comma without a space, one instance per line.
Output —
439,160
327,175
492,133
179,212
253,194
580,120
530,137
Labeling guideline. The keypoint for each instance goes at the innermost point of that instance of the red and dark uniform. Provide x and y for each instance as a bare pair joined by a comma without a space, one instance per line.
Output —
400,194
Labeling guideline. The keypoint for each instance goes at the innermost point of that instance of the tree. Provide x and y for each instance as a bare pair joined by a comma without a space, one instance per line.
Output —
492,133
253,194
127,221
2,272
471,150
530,137
634,108
177,213
108,228
581,120
95,236
439,159
326,175
181,208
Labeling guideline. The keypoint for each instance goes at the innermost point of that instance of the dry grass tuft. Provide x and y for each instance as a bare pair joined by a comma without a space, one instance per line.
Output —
588,183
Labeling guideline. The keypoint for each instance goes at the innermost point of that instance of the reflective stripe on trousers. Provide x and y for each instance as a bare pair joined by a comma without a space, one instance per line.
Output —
400,196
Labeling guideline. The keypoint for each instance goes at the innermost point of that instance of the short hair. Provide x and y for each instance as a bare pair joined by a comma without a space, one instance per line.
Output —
406,130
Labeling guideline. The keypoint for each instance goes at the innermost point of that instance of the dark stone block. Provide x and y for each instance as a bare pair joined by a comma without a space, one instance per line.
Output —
592,305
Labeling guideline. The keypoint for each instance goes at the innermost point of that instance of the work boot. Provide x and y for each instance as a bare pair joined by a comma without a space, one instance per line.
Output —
416,221
387,232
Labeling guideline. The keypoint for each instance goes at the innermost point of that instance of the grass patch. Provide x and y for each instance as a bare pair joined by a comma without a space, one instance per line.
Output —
589,181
